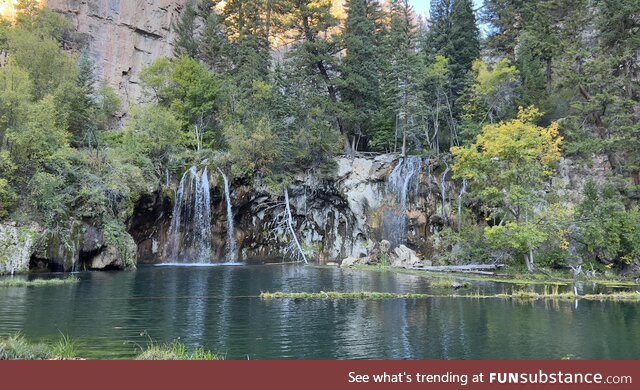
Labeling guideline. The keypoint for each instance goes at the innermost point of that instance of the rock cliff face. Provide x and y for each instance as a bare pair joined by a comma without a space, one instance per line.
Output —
123,36
370,210
346,215
16,246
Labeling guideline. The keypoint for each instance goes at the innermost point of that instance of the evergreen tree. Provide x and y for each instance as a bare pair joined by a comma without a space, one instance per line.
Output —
213,46
186,42
438,39
532,88
454,35
465,45
309,22
360,87
400,84
507,18
249,50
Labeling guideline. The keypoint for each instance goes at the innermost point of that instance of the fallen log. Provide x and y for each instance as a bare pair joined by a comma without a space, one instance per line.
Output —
489,273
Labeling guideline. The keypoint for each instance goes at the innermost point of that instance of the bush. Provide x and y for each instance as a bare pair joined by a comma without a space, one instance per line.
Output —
8,198
608,231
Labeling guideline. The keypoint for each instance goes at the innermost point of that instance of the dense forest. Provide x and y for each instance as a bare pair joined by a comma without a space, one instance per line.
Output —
268,89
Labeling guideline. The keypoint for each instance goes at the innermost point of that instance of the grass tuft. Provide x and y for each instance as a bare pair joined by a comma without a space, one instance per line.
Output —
175,351
38,282
16,347
65,348
616,296
449,283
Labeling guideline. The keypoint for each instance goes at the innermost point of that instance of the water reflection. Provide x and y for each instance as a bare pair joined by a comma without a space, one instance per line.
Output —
218,308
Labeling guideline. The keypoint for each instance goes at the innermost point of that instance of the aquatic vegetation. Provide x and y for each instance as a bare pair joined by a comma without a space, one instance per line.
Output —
175,350
39,282
16,347
615,296
367,295
515,295
66,348
449,283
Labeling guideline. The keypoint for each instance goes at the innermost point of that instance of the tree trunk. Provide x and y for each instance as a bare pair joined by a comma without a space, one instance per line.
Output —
528,259
268,21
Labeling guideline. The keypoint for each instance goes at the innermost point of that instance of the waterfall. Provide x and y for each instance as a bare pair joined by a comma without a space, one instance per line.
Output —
232,254
406,175
463,191
189,238
429,180
443,191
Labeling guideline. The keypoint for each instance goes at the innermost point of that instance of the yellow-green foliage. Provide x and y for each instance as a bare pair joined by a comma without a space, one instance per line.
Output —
491,96
507,167
508,148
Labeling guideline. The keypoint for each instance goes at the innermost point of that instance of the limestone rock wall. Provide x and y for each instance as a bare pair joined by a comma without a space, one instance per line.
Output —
346,215
123,36
16,247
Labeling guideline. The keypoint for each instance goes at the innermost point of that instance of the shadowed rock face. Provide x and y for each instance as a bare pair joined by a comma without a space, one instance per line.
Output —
123,36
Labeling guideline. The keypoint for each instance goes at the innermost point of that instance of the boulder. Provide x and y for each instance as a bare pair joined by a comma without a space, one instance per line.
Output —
385,246
107,259
406,258
349,262
92,238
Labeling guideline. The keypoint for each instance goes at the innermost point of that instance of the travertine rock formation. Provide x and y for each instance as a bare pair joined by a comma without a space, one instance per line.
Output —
123,36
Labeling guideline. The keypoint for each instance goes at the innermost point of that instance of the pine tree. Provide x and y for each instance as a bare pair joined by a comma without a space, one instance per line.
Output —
214,47
186,42
249,50
465,46
438,38
454,35
360,87
532,89
400,81
313,53
507,18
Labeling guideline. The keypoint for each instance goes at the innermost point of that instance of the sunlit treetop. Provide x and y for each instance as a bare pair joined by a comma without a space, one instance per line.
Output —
9,9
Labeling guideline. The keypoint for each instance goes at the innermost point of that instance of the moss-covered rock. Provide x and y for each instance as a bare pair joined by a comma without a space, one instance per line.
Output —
16,246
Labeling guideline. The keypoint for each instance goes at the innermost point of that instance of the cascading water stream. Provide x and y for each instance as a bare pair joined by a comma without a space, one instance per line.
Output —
189,238
463,191
232,254
443,191
404,176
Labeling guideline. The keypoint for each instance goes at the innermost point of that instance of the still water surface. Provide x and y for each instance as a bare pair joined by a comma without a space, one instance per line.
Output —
113,314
